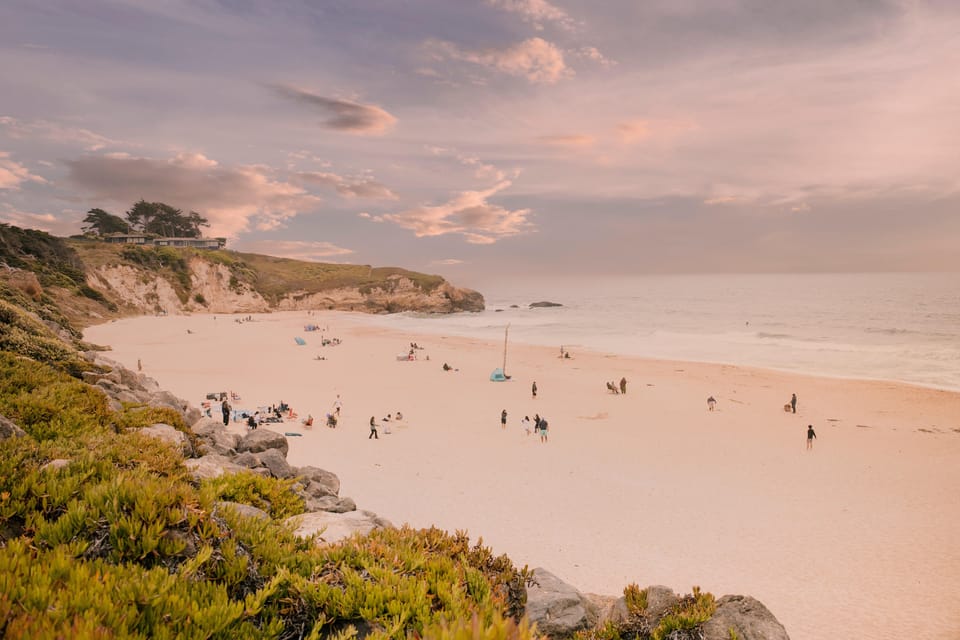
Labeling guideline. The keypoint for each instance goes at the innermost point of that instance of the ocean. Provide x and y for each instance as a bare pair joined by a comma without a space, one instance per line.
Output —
899,326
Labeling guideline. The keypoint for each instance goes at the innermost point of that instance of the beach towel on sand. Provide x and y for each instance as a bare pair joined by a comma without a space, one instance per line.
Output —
300,341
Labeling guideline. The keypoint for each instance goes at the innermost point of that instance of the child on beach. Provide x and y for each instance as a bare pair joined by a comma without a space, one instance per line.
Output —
503,419
811,434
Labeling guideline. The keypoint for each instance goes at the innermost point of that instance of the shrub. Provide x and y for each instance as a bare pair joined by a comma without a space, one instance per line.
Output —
636,599
273,495
199,299
692,611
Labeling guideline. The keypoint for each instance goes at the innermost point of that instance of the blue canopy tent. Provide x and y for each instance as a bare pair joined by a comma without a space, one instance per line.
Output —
497,375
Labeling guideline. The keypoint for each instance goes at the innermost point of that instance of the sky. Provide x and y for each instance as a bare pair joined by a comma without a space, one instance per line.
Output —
486,139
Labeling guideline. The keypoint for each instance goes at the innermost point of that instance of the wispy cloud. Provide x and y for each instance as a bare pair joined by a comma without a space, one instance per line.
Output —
447,262
294,249
348,187
570,141
537,60
639,130
537,12
468,214
341,115
64,224
13,174
232,198
55,132
594,55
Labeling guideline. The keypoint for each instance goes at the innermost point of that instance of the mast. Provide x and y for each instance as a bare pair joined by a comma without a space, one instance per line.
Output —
505,332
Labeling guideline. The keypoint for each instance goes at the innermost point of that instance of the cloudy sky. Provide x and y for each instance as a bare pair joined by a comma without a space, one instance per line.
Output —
488,138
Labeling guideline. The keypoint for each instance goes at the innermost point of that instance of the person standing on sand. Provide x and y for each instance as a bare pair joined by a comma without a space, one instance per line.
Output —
533,389
373,429
139,365
225,408
503,419
536,423
543,430
811,434
711,403
623,386
793,403
525,423
337,405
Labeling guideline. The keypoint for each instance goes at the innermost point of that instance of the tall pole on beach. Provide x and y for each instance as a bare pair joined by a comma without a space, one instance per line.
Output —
505,332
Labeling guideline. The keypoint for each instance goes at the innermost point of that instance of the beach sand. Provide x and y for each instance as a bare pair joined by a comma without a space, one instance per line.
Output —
856,538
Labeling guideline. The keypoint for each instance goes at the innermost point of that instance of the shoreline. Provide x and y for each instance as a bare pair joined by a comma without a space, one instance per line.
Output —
649,487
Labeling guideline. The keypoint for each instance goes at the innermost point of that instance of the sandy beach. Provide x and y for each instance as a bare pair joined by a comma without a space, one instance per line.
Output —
856,538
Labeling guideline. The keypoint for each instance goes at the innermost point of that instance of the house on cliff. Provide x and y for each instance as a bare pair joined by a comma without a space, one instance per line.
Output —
145,240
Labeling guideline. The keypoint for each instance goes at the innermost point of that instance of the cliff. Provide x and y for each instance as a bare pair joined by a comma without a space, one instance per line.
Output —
89,281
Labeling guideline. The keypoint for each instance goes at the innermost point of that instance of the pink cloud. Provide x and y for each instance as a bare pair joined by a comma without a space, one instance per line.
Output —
342,115
60,225
232,198
574,141
13,174
55,132
535,59
348,187
536,12
469,214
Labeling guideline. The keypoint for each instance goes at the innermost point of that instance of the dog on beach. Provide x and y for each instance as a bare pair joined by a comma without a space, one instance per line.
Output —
787,408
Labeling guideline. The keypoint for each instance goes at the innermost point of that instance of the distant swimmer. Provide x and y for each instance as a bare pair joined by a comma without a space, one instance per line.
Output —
811,434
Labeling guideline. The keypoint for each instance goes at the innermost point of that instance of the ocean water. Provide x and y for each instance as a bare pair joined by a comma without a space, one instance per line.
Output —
900,326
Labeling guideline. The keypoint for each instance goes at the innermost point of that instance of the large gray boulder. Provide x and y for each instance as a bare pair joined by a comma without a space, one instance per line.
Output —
332,504
211,466
558,609
169,434
321,482
9,430
274,460
746,617
245,510
259,440
247,460
334,527
166,399
215,436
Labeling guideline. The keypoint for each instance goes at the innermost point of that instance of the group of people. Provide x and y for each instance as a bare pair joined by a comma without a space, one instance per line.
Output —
612,387
374,427
540,426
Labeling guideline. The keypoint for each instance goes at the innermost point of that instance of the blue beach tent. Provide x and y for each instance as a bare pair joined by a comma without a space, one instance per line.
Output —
300,341
497,375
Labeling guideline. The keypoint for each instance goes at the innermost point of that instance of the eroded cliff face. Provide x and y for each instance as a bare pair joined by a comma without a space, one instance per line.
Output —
214,290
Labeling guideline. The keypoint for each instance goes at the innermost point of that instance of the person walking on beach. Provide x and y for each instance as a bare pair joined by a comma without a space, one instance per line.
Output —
711,403
793,403
503,419
525,423
533,389
811,434
225,408
623,386
536,423
139,365
543,430
373,429
337,405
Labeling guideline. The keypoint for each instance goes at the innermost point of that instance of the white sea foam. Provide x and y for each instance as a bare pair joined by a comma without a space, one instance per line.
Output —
903,327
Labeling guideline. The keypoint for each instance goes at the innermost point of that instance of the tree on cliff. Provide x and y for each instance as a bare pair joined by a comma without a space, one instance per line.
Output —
100,222
166,221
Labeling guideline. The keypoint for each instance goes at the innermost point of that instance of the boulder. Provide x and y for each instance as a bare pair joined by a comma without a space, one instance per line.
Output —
244,510
126,396
191,414
558,609
247,460
259,440
660,601
321,483
333,527
274,460
748,618
9,430
166,399
215,437
169,434
333,504
211,466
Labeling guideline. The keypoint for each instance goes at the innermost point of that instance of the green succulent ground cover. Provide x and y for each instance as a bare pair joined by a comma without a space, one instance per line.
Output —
117,541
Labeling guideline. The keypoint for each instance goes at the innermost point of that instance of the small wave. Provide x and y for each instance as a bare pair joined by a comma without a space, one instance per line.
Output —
774,336
892,331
